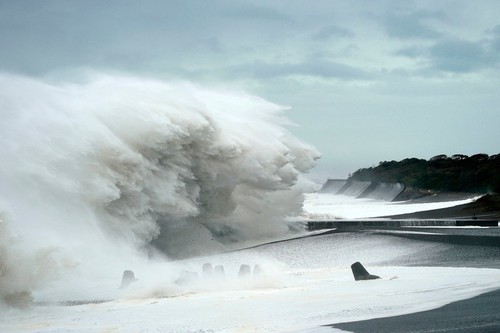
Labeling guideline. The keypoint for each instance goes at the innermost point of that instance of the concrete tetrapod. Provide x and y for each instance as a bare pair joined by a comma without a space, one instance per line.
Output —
360,273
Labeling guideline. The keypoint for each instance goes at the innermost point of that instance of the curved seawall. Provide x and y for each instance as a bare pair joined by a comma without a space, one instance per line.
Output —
383,191
354,188
363,189
333,186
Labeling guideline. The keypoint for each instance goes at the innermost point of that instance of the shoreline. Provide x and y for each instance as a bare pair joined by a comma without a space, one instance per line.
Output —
486,207
477,314
470,248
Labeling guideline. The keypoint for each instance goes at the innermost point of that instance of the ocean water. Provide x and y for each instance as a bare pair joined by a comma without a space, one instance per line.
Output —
303,284
327,206
112,173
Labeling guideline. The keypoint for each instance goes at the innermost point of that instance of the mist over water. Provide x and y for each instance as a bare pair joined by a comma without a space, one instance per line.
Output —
102,174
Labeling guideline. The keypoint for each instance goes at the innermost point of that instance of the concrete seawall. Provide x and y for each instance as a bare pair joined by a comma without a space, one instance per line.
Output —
363,189
333,186
361,224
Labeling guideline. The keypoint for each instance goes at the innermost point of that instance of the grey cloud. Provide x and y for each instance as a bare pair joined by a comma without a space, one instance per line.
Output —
410,52
412,25
311,67
455,55
466,56
177,37
458,56
39,37
494,42
332,31
254,12
124,35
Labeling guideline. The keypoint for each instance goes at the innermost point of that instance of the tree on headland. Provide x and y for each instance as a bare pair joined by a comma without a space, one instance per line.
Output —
478,173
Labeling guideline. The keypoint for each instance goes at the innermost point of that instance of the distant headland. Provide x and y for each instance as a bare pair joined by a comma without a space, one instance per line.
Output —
478,173
442,178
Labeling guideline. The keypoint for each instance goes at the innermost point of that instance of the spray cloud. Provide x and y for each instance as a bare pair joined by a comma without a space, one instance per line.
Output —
119,163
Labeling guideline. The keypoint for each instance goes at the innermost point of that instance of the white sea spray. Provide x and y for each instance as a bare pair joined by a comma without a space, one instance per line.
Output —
105,172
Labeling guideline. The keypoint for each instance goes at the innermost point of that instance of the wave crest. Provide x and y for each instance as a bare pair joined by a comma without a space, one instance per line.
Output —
144,162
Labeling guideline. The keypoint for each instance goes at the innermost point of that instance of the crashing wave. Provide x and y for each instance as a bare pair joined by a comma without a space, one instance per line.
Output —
119,163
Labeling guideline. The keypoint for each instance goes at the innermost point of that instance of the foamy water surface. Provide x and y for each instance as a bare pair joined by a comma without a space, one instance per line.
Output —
305,283
326,206
115,173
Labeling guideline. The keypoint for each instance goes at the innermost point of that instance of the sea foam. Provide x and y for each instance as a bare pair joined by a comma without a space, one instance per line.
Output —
100,172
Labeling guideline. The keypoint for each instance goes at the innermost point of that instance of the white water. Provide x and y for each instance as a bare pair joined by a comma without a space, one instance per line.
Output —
117,171
306,283
327,206
311,299
93,173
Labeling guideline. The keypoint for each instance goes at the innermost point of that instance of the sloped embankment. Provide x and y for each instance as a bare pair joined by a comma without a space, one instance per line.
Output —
363,189
486,207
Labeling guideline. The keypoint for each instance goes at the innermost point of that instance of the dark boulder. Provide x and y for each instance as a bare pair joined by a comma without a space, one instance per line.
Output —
127,278
360,273
245,271
207,269
257,270
219,271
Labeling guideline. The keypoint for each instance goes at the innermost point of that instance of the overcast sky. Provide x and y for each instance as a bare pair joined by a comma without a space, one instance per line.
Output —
367,81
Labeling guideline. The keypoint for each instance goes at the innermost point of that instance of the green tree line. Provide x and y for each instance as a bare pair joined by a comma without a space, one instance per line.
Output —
458,173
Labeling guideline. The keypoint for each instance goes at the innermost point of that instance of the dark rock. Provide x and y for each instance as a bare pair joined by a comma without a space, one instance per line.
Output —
19,299
127,278
245,270
360,273
257,270
219,271
207,269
